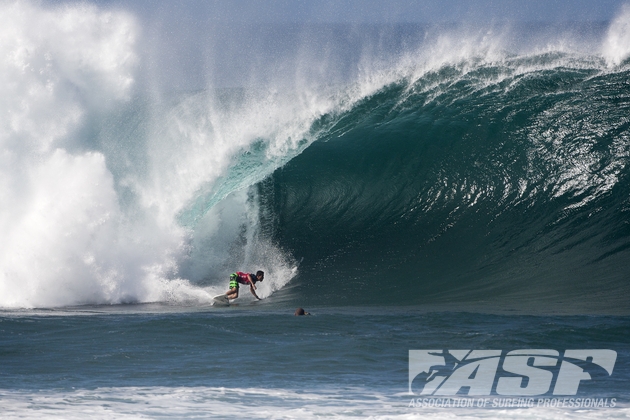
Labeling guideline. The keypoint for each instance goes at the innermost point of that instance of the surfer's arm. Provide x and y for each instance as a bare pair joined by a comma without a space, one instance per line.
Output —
251,282
251,289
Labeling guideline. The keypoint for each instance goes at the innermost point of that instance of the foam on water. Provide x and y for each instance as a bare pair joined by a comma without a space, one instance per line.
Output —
252,403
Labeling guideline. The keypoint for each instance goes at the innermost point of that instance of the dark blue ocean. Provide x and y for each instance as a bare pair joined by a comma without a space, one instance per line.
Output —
451,203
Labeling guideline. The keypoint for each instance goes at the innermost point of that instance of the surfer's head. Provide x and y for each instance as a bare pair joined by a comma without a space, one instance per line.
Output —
260,275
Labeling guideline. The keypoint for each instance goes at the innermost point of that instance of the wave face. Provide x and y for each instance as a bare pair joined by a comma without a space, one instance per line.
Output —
405,164
504,183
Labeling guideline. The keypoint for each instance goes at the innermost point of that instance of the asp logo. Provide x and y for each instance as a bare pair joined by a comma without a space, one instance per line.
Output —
517,373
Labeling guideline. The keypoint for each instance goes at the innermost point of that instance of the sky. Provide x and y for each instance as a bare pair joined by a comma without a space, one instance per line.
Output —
381,11
193,43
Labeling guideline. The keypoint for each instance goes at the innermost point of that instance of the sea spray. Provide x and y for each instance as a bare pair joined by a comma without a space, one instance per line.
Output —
60,215
616,46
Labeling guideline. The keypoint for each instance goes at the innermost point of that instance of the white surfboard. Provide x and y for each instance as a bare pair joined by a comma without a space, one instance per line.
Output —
221,300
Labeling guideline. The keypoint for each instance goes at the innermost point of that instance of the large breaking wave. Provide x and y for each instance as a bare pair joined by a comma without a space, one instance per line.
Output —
437,165
504,183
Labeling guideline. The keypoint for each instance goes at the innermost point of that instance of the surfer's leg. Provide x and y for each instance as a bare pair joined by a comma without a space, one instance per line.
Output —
232,293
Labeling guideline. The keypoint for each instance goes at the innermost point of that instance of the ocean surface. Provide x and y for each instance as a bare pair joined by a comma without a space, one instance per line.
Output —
445,189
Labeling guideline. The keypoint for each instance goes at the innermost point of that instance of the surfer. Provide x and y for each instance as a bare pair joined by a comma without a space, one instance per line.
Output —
244,278
300,311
